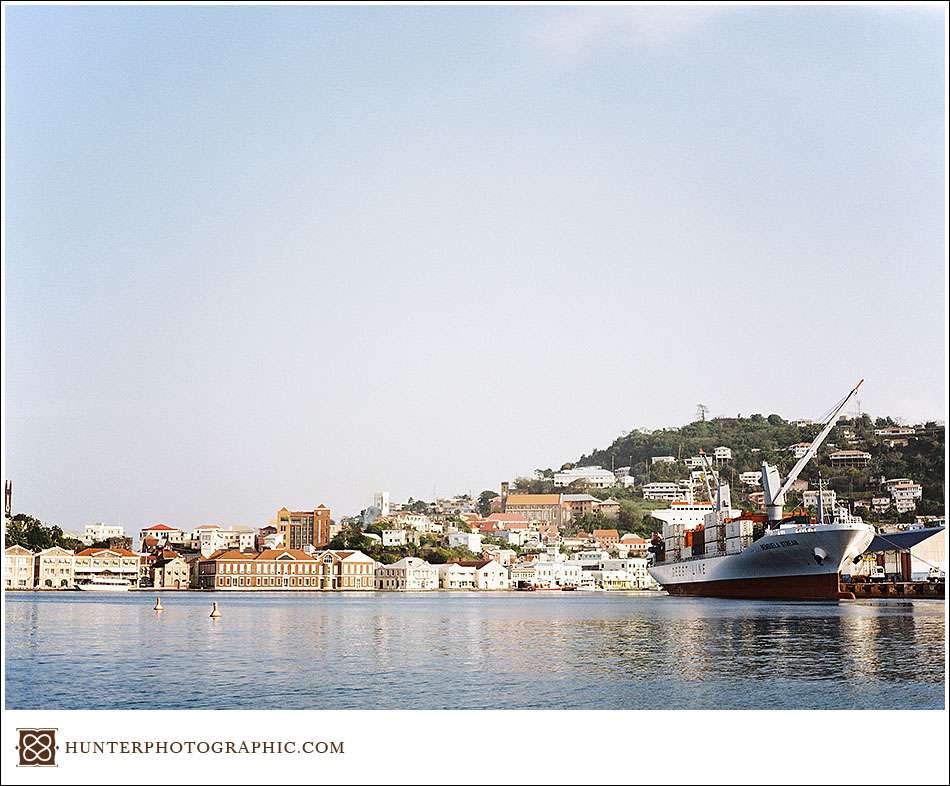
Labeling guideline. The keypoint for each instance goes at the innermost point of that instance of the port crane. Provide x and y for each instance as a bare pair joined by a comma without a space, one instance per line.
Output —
772,485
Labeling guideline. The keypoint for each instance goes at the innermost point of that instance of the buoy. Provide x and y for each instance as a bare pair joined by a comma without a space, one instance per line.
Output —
158,605
215,612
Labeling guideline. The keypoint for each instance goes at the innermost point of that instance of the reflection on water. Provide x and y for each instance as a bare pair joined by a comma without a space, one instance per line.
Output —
469,651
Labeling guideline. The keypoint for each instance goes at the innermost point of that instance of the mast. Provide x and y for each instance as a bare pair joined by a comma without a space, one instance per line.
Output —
775,496
714,502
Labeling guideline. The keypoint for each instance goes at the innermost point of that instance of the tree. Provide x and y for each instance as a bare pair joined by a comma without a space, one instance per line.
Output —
484,501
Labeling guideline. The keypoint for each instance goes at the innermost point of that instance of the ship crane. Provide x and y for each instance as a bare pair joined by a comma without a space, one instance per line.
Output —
775,490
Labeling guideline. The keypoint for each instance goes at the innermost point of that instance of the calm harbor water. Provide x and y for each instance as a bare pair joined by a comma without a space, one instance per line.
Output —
468,651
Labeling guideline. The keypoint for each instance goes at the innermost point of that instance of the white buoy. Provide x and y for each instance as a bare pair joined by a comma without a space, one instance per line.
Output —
158,605
215,611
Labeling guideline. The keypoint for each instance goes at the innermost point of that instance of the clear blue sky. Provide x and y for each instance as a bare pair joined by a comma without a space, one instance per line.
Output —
288,255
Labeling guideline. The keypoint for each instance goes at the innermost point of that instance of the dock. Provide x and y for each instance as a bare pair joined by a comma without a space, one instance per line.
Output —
895,589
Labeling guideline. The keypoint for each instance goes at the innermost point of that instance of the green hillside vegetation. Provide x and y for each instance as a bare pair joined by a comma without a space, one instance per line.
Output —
759,438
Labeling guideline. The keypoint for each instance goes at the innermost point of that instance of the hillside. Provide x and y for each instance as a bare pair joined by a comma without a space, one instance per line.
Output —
757,438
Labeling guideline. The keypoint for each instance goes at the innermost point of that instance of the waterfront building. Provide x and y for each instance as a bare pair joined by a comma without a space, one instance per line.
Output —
96,533
286,569
634,570
556,573
409,573
162,535
484,574
490,575
850,458
54,568
109,563
304,529
455,576
168,570
595,477
347,570
916,556
17,568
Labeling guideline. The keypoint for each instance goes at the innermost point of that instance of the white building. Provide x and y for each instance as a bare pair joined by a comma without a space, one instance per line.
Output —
410,573
453,576
209,538
164,535
628,481
381,502
592,476
753,479
394,537
469,540
905,494
491,575
722,453
895,431
417,522
663,460
95,533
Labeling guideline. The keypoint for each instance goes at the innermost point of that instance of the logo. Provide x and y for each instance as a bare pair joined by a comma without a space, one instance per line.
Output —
37,747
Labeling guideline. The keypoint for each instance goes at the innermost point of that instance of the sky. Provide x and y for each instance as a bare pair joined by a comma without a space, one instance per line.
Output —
284,256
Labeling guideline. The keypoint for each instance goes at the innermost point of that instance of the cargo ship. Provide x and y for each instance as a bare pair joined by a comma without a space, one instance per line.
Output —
715,551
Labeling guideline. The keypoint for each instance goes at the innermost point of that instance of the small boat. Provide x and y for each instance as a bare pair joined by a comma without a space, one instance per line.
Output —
105,584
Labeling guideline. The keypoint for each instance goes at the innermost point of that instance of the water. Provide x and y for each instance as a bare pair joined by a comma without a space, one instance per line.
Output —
469,651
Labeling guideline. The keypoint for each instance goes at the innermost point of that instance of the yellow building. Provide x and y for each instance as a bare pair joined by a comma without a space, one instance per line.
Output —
18,568
54,568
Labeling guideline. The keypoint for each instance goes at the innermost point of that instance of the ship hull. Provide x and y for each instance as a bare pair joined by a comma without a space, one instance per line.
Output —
781,565
821,587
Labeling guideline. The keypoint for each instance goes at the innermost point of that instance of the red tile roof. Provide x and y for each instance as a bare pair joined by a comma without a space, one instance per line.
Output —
162,527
